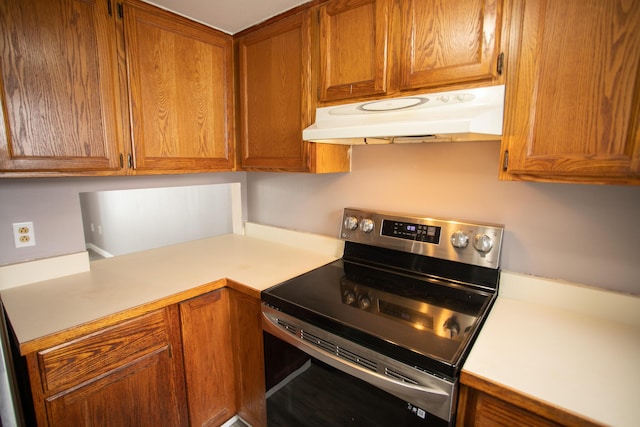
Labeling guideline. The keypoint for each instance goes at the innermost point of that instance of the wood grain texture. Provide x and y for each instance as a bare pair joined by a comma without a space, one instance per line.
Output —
276,91
329,158
128,374
443,42
483,403
247,342
275,87
88,328
59,87
208,358
573,101
181,92
354,38
103,351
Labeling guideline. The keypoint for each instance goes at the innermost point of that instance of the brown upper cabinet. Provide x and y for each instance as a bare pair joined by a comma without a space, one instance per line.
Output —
180,82
448,42
101,87
573,94
379,47
354,37
59,87
277,100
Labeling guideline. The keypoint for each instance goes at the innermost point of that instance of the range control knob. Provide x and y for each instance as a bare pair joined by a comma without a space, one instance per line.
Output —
364,302
482,243
349,297
459,239
366,225
351,223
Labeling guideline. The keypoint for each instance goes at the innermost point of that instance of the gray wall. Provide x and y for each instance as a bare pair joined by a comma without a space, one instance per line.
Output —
580,233
119,222
53,204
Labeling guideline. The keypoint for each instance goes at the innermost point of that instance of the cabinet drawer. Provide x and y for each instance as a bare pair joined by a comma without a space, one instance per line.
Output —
106,350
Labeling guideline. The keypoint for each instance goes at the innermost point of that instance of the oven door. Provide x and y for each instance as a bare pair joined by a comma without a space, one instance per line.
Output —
338,382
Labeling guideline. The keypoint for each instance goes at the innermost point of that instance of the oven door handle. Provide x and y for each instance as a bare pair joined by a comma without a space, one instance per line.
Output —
436,400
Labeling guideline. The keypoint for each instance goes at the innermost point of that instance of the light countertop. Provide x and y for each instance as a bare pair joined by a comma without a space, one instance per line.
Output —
564,348
117,284
573,347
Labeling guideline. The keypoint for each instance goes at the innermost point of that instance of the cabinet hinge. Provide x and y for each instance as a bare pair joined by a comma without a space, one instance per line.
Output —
109,8
500,64
120,11
505,161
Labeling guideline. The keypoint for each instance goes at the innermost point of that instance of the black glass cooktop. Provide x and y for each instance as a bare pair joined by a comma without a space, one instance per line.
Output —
419,320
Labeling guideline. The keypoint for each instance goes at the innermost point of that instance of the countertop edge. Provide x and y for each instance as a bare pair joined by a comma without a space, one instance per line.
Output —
543,339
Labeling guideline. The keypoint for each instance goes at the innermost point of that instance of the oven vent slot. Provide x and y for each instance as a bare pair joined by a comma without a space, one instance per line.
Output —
398,376
358,360
319,342
288,326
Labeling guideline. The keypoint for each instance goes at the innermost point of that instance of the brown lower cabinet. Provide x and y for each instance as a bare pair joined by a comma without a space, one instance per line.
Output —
127,374
196,362
483,403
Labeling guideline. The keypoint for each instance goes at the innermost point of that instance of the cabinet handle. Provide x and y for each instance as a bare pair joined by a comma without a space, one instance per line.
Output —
500,63
505,161
120,11
109,8
129,161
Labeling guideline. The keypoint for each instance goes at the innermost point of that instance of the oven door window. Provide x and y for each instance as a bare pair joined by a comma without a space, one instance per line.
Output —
303,391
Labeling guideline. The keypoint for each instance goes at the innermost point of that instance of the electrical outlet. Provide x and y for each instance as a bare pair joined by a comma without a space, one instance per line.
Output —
23,234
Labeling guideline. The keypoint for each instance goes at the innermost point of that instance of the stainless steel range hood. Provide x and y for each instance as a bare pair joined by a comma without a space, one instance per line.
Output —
461,115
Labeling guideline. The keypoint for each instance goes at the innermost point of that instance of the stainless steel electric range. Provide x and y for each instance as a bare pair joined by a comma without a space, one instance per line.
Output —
398,314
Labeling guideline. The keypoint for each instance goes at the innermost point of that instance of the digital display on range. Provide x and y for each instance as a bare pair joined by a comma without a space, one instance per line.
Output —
411,231
418,320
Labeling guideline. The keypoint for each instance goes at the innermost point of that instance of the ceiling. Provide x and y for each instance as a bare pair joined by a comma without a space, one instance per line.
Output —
229,16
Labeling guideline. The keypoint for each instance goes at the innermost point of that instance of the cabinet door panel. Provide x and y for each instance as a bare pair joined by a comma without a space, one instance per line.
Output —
138,394
275,94
128,374
208,358
181,95
353,48
59,87
248,348
96,354
573,111
445,42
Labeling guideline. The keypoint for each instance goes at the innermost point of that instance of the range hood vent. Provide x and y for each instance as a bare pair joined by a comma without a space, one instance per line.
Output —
461,115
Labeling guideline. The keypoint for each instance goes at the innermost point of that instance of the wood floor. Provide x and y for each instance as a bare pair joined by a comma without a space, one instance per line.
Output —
350,402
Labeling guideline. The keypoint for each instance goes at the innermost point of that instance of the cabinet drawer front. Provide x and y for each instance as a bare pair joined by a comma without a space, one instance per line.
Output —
96,354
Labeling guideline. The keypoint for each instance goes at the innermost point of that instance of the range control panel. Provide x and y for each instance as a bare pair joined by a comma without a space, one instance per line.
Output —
412,231
460,241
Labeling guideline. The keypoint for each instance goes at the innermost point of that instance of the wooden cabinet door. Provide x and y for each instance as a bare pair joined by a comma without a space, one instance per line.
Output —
208,358
59,87
181,92
354,37
137,394
480,409
573,101
129,374
248,350
275,94
444,42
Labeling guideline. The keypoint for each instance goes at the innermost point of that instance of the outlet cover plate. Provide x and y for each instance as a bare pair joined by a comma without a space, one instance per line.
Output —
23,234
